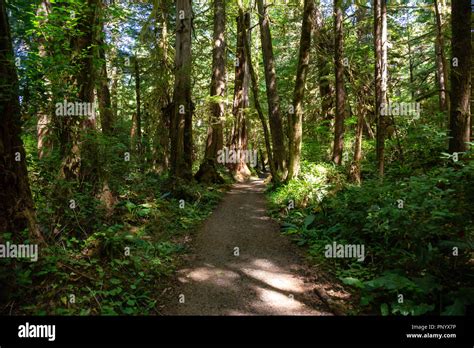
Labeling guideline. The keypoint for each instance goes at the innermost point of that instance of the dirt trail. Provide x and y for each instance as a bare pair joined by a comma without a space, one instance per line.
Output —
266,278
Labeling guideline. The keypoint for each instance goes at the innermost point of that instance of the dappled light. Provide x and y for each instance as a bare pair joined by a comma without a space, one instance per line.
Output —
249,157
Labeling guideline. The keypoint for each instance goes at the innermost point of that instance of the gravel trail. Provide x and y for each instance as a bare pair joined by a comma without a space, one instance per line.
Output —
241,265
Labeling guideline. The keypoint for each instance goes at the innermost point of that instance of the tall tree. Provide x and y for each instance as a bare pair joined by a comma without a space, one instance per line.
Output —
136,134
324,47
295,122
460,121
238,142
258,107
363,94
340,93
103,91
276,127
441,64
16,203
107,120
381,75
84,80
161,153
181,122
43,127
215,135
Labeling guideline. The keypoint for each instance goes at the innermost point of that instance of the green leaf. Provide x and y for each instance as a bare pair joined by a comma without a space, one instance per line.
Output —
353,282
457,308
308,220
130,206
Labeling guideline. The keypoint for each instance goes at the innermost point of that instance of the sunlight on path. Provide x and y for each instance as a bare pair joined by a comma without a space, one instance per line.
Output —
243,266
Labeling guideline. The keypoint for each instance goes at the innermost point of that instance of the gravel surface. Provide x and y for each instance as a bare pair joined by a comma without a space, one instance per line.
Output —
241,264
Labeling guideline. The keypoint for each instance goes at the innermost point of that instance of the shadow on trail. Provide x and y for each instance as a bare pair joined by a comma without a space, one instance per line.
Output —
242,264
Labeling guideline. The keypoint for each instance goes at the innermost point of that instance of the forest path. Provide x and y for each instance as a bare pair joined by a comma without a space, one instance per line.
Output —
266,278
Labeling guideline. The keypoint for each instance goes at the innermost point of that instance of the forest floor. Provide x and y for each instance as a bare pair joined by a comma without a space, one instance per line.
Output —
240,264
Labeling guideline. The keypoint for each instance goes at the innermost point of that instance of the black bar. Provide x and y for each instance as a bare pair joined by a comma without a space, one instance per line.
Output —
241,330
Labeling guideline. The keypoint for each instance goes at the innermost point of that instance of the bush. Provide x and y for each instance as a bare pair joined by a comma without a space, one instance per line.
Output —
412,230
315,182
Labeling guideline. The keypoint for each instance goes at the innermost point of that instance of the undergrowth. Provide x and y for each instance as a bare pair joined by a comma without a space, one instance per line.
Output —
417,231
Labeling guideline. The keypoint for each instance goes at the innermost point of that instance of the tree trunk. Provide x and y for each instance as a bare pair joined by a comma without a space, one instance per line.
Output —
107,196
460,125
441,65
258,107
363,99
295,125
181,122
323,50
103,92
411,65
162,132
276,127
162,155
215,135
82,47
137,119
239,132
340,93
43,127
16,203
380,44
355,166
114,89
472,79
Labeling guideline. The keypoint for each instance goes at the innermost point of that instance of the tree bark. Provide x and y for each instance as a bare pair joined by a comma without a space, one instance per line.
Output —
83,57
215,135
181,122
276,127
340,93
472,79
216,139
16,203
107,196
103,92
380,44
43,127
441,65
238,144
258,107
460,121
295,125
323,50
355,166
161,153
411,65
137,119
363,98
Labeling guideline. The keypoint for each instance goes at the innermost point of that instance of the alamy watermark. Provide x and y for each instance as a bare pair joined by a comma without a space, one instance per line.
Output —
335,250
75,109
226,156
401,109
24,251
37,331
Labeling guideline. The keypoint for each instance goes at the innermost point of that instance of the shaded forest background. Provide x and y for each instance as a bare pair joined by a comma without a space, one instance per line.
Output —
112,197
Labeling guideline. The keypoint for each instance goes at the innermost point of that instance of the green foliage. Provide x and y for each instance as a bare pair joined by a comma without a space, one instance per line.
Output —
114,269
412,230
409,248
315,182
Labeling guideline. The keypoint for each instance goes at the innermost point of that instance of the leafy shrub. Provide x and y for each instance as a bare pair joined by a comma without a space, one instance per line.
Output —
314,183
412,230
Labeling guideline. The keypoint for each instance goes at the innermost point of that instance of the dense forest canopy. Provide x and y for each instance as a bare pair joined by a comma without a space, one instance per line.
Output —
121,121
